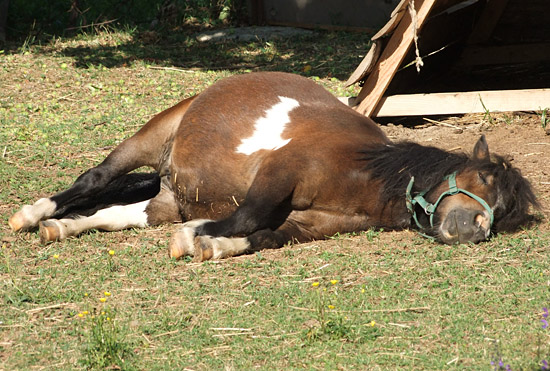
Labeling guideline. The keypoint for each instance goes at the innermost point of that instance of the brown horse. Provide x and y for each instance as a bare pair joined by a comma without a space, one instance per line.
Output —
258,160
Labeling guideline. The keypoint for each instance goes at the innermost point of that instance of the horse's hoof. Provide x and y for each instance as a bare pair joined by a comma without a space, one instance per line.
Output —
204,249
181,243
49,231
18,222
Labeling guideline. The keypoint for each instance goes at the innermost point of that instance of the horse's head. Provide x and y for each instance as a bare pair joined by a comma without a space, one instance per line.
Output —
483,196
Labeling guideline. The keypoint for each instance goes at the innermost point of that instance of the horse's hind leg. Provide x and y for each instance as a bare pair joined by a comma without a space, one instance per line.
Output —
129,188
148,147
160,209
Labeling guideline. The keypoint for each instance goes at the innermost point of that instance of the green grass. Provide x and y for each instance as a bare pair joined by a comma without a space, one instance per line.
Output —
400,301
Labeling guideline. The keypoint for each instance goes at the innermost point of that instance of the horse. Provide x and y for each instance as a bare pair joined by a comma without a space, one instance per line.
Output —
259,160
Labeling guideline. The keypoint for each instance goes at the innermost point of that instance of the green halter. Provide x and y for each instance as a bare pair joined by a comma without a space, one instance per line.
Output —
429,208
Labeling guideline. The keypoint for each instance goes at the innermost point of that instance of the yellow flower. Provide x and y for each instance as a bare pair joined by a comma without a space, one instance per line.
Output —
86,294
334,282
108,318
102,313
103,300
56,256
85,312
315,284
81,315
111,252
107,293
330,306
362,291
372,323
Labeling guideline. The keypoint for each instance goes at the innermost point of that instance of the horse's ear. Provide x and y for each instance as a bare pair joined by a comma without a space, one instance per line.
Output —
481,149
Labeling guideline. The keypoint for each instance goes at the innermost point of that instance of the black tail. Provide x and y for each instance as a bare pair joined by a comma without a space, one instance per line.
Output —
124,190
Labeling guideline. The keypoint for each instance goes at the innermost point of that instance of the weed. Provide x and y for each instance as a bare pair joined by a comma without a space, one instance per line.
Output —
29,41
372,234
544,117
497,362
487,114
106,346
330,323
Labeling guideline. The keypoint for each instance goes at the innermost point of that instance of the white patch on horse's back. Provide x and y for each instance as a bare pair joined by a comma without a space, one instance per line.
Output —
269,128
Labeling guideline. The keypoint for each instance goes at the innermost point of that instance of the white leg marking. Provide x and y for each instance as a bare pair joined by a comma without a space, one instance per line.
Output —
223,247
30,215
226,247
183,240
113,218
268,129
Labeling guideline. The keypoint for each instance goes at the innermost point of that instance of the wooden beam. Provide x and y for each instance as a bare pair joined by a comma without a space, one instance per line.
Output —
391,58
487,21
507,54
319,26
460,103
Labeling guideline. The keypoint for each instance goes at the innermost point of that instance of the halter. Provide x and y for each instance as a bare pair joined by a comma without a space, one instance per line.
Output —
430,208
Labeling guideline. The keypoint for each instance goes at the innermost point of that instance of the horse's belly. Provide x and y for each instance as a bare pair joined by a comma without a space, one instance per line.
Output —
212,184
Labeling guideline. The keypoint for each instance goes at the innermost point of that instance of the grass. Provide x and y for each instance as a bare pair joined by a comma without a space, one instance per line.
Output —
397,301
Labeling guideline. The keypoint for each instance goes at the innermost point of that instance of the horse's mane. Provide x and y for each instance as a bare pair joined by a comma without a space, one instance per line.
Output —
395,164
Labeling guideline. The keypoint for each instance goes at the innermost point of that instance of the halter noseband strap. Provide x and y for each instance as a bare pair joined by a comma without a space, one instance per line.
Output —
430,208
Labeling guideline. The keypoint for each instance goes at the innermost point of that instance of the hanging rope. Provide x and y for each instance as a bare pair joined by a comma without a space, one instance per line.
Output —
418,60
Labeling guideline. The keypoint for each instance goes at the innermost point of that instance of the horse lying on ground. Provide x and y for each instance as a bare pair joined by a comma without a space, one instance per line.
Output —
261,159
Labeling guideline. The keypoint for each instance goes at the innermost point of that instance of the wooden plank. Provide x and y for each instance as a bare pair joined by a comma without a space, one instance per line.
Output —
368,63
395,17
318,26
460,103
391,58
487,21
508,54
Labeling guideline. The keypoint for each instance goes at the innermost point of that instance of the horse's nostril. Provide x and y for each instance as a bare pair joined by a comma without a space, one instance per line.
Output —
481,220
478,220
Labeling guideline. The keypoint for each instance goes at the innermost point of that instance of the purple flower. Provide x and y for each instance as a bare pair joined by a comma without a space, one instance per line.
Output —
544,323
544,366
545,314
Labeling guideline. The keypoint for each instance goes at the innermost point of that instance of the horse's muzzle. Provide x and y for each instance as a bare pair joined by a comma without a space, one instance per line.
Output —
464,225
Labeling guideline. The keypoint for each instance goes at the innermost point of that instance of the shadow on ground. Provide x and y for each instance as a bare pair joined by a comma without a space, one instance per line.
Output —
319,53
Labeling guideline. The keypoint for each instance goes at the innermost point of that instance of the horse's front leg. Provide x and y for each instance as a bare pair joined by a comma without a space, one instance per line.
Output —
266,206
201,248
208,239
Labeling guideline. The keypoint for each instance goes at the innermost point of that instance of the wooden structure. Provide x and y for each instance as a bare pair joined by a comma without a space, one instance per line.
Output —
459,48
350,15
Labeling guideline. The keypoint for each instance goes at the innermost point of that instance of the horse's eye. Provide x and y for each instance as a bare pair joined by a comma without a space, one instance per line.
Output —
483,178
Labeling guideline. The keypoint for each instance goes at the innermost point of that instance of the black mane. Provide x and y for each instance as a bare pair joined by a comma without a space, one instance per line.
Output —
396,163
